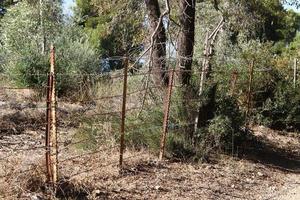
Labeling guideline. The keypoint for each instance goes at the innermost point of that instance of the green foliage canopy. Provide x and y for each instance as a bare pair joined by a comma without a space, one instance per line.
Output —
114,27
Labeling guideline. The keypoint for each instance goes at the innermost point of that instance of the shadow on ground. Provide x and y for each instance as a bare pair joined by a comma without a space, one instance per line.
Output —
261,150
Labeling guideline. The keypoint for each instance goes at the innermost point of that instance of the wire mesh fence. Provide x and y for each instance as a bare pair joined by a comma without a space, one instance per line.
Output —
91,132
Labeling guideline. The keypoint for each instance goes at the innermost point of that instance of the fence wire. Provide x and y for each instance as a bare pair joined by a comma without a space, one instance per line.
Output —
89,127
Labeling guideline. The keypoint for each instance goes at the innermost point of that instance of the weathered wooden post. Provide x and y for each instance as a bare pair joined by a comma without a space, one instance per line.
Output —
51,133
53,142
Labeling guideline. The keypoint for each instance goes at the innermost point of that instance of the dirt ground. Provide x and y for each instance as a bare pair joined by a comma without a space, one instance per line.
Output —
269,169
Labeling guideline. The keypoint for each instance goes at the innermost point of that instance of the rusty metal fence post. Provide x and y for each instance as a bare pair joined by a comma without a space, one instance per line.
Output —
48,129
295,72
249,97
234,77
123,116
166,116
51,133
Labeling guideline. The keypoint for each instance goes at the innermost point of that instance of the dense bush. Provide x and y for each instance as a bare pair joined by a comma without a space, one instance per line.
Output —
145,131
281,111
26,63
222,133
77,62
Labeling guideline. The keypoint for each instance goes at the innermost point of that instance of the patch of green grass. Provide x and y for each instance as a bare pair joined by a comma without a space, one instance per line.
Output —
86,138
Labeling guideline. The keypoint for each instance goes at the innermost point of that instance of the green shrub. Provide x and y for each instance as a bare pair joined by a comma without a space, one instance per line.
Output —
85,138
224,131
25,63
145,131
144,138
180,147
77,62
96,132
282,110
220,129
76,66
30,70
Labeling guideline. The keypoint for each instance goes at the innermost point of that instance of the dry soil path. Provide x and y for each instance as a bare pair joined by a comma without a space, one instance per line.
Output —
291,190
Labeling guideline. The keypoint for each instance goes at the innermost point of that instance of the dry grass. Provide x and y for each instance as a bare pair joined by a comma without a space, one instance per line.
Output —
97,176
93,173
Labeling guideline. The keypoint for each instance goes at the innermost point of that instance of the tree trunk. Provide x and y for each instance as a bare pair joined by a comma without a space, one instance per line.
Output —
158,57
185,47
186,40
